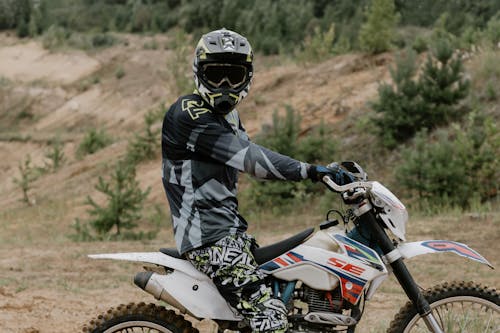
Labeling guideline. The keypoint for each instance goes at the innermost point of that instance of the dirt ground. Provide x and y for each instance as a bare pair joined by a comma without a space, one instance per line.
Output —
47,283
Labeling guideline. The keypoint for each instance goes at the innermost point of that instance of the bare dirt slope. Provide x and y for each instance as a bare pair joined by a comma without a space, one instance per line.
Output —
47,284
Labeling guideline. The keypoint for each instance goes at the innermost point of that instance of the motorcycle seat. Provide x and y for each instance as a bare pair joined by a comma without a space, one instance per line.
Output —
269,252
261,254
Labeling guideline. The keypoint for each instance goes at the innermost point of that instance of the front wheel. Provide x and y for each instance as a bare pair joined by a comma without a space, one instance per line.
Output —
459,307
139,318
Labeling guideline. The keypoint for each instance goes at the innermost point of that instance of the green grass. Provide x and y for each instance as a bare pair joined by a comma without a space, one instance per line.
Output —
40,223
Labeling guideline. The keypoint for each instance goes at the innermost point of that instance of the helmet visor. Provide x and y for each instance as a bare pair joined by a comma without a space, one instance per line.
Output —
216,75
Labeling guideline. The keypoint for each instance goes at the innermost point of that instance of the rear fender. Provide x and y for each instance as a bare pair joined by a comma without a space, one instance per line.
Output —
410,250
156,258
184,287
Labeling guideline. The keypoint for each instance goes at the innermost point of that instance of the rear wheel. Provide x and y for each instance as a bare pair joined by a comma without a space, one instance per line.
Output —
139,318
459,307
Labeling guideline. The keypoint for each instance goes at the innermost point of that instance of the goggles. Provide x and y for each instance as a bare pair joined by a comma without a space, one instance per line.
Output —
218,74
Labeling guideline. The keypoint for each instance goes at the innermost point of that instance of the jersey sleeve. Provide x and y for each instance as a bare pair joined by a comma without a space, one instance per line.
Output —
208,137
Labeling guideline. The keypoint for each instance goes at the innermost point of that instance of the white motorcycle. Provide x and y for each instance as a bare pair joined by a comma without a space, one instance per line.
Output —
324,279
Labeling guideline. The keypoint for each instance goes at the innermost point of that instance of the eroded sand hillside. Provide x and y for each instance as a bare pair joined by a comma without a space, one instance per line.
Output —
62,94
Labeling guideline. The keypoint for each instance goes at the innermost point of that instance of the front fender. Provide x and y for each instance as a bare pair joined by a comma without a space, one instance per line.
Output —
409,250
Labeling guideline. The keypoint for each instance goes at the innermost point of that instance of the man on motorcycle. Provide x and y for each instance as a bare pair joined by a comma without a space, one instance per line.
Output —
204,146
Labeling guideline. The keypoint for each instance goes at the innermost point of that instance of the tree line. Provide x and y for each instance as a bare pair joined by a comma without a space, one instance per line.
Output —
273,26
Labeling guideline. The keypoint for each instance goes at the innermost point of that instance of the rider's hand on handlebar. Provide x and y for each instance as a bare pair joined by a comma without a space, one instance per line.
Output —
355,169
335,171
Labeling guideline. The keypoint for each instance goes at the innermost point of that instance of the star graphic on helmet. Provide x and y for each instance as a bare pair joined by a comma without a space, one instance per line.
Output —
228,42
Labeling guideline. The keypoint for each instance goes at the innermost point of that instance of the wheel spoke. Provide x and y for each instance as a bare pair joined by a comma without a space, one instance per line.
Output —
462,316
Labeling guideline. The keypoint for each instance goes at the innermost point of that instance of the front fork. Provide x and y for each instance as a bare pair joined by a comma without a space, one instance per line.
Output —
369,222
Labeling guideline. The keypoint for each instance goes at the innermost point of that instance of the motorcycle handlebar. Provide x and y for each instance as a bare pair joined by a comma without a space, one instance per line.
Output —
343,188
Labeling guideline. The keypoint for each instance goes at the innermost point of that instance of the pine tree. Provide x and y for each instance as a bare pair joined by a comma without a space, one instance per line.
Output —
442,85
400,104
28,176
22,13
378,31
124,202
145,146
55,155
410,105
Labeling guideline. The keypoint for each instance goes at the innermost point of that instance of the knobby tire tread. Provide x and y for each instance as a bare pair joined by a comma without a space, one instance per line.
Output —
140,311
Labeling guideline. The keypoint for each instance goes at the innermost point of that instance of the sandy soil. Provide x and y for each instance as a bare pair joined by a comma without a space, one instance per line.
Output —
28,62
47,284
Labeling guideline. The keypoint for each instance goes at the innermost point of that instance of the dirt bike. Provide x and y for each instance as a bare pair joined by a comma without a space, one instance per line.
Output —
324,278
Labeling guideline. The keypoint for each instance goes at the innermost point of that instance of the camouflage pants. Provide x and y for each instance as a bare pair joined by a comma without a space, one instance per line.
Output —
232,267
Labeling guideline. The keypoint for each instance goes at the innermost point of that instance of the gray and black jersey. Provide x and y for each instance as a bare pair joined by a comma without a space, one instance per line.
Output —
202,154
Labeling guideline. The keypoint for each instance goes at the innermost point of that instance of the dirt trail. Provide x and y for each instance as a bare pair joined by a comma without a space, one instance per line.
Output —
49,290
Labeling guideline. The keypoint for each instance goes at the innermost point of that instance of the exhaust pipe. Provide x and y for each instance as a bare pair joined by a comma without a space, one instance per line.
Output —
152,284
141,279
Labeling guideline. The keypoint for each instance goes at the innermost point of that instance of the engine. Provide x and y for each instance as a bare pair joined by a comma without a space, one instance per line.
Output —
319,311
322,301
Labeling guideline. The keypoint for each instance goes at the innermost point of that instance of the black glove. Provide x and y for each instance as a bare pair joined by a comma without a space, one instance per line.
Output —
338,173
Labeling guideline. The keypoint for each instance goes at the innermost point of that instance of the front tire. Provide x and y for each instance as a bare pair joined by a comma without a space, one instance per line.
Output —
138,317
464,307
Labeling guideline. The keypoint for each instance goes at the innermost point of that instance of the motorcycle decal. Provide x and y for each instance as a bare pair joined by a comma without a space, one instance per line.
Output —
271,265
351,286
284,260
353,269
351,291
359,251
449,246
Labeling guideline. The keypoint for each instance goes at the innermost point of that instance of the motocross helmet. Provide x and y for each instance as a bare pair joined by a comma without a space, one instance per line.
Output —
223,69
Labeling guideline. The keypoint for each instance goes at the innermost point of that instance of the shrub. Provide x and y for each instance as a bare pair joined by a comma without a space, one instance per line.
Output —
401,106
22,28
55,155
429,102
55,37
319,46
283,137
119,73
4,82
93,141
442,84
455,165
470,38
27,176
419,44
120,212
485,73
145,146
441,32
103,40
493,30
377,32
491,92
